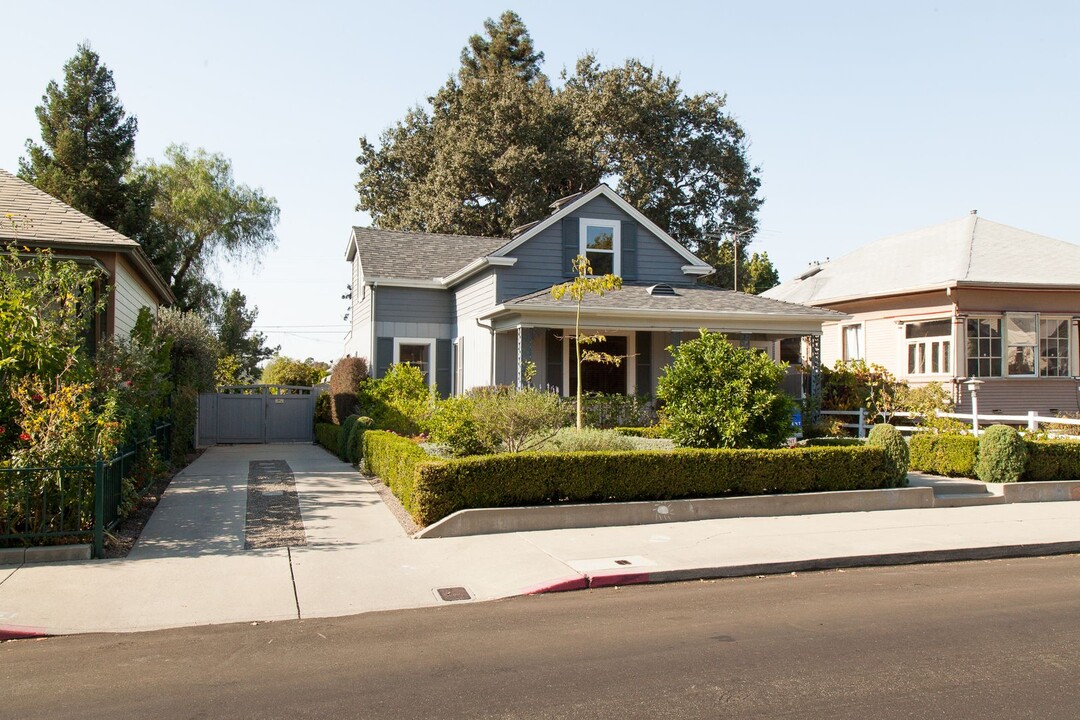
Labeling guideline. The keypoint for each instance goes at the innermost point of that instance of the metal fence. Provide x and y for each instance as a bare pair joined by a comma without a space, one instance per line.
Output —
1030,422
78,502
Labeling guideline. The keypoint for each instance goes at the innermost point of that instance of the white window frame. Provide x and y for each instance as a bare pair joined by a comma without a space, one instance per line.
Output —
430,342
1007,343
944,358
1069,343
616,241
843,341
1002,331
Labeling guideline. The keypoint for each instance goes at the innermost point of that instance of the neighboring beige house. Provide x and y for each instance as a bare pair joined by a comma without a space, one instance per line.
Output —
42,221
967,298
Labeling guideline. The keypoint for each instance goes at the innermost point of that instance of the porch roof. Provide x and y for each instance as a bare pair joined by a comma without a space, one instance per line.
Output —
687,307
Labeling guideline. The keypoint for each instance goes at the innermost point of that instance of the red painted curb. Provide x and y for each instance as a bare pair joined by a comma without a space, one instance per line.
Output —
612,579
577,582
21,633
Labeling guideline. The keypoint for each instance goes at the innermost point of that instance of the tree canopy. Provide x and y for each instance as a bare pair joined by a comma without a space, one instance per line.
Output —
498,143
87,145
242,347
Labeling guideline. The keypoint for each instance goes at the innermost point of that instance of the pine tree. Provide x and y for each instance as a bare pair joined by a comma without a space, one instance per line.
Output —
88,144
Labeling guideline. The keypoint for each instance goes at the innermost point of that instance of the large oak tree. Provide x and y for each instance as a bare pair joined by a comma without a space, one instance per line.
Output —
498,143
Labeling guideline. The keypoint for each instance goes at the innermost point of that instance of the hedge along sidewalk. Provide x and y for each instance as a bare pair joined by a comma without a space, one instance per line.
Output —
954,455
432,489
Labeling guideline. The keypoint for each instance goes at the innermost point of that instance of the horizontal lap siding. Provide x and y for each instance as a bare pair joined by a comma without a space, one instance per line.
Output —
470,301
1016,396
539,260
130,297
413,305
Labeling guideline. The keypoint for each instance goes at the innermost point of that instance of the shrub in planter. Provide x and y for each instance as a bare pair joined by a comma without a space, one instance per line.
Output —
1002,455
453,424
719,395
889,439
586,440
952,455
354,450
400,400
343,438
345,381
1052,460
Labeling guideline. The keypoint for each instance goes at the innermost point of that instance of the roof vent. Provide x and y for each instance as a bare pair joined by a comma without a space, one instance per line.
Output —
814,269
661,290
564,201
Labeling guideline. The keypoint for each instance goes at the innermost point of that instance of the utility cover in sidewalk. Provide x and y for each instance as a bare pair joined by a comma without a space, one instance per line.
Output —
616,563
453,594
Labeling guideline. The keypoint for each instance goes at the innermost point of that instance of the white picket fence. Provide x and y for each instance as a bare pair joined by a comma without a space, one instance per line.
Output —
1032,421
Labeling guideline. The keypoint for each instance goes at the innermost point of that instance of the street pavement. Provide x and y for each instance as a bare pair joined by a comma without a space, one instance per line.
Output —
190,566
996,639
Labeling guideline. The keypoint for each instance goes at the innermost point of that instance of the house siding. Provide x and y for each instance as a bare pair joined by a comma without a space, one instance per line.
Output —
539,260
1017,396
413,305
130,296
470,301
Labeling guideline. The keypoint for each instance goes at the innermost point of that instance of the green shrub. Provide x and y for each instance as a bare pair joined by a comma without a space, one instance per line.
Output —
944,454
354,450
444,487
328,435
343,439
1002,455
322,408
649,431
719,395
400,400
586,440
394,460
889,439
453,424
345,381
1052,460
835,442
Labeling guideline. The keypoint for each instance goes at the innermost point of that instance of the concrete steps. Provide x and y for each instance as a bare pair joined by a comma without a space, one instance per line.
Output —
967,499
958,492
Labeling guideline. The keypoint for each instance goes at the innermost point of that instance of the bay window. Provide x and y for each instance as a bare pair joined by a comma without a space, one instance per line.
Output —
1018,345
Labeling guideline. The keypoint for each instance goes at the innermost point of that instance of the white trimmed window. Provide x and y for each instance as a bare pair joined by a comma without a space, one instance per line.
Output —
1018,345
419,352
853,343
600,242
929,347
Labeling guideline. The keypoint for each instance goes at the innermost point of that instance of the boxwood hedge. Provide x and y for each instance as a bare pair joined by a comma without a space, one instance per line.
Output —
1052,460
432,489
940,454
329,436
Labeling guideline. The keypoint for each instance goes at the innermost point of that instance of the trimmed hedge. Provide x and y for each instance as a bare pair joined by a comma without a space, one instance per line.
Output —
1052,460
394,460
346,433
835,442
949,455
430,489
1002,455
329,436
649,431
889,439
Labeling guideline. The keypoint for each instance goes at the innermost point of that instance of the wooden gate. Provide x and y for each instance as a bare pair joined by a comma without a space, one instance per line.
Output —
256,414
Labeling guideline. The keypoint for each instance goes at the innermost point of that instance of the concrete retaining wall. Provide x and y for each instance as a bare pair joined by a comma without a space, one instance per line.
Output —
486,521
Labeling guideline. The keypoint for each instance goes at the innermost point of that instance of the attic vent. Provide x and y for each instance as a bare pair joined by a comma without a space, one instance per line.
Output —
662,290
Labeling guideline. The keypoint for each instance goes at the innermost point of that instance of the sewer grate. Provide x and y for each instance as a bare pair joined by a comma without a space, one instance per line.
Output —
453,594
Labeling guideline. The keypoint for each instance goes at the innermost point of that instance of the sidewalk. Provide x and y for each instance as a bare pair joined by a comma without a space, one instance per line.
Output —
190,568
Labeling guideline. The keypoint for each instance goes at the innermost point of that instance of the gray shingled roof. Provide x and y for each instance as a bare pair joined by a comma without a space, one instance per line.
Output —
417,255
968,250
699,298
41,218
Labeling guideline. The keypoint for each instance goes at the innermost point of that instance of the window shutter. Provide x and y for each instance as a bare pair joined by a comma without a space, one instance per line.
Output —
644,362
442,367
629,261
570,245
384,355
553,360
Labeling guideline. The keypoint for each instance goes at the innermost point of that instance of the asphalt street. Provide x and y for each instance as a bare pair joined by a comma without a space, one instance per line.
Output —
991,639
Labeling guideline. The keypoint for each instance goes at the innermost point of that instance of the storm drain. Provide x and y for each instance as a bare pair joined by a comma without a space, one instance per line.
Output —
453,594
273,507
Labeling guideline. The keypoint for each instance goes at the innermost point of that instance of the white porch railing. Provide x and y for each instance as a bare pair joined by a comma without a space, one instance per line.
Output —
1032,421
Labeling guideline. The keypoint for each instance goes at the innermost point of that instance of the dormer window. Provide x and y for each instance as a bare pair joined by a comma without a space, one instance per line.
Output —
601,244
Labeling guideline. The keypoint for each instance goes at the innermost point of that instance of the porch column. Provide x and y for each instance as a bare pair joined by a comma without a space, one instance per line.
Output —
815,377
524,355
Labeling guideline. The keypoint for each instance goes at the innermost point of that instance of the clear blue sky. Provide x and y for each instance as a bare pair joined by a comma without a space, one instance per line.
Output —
867,119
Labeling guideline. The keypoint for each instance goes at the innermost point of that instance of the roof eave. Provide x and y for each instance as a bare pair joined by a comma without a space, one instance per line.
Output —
817,316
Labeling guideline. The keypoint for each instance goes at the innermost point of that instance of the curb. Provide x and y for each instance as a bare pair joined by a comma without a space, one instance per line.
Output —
14,632
994,552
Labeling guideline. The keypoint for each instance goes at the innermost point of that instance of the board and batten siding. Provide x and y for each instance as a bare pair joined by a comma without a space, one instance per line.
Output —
130,296
471,300
539,260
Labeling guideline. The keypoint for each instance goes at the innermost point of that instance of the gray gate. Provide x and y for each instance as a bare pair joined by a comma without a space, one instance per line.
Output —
256,414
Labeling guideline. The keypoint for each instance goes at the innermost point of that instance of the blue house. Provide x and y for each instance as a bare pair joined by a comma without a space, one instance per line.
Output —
475,311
